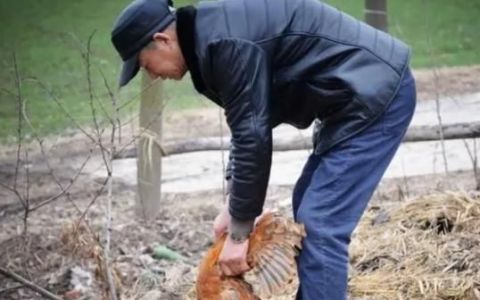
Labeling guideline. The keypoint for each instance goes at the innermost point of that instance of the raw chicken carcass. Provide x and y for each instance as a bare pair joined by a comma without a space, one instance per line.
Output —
273,245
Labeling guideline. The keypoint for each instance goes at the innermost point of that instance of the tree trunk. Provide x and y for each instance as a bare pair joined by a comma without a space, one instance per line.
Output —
376,14
414,134
149,162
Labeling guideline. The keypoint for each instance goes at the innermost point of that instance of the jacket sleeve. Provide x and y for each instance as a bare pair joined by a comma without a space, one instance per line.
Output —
240,75
228,169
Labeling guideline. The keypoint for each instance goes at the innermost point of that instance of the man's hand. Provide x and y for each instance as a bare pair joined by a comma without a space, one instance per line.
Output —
233,259
220,225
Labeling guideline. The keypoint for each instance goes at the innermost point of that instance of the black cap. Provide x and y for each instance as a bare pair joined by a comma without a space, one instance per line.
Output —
134,29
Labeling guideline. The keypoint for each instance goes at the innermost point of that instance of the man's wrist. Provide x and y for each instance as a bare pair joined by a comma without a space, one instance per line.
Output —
239,230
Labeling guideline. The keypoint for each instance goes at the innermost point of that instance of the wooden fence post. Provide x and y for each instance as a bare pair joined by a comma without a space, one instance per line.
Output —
376,14
149,161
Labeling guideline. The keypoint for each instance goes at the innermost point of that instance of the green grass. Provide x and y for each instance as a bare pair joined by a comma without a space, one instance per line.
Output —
47,35
48,38
440,32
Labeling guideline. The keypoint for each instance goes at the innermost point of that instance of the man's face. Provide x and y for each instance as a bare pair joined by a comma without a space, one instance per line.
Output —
163,58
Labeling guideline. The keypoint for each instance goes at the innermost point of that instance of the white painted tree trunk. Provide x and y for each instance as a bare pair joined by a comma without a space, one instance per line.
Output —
149,162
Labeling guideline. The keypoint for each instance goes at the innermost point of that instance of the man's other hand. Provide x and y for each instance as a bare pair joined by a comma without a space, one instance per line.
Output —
233,259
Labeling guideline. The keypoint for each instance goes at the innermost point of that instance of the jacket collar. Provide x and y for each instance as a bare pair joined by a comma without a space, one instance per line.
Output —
186,37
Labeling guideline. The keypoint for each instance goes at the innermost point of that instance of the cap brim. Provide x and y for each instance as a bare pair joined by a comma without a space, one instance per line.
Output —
129,70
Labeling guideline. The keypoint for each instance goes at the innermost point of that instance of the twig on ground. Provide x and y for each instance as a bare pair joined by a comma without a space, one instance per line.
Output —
29,284
12,288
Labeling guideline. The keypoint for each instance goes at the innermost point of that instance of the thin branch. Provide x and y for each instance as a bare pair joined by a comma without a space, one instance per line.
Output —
437,99
14,192
108,165
143,89
8,92
440,122
99,192
86,56
29,284
108,226
69,116
49,167
136,97
116,109
165,100
65,190
22,111
64,110
20,124
27,196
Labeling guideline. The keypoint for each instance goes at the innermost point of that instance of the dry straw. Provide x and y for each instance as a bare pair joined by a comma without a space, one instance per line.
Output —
427,249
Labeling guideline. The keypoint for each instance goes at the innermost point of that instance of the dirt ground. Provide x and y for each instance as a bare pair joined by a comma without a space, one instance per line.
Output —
52,255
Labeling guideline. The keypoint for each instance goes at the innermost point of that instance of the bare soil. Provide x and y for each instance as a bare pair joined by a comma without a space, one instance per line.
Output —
48,249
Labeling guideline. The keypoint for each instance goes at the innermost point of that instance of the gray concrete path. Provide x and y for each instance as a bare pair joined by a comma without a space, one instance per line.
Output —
203,170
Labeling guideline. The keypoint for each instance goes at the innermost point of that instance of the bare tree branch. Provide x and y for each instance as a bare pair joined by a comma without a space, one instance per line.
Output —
86,56
27,195
437,97
14,192
64,110
115,121
97,194
108,227
108,161
50,169
440,123
64,190
19,128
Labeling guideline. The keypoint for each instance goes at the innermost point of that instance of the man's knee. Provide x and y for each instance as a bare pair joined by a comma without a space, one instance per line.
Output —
333,231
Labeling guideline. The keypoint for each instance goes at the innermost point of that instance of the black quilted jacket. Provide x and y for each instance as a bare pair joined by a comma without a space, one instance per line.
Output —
268,62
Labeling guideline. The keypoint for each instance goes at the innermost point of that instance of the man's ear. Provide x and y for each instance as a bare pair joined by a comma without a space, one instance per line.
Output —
161,37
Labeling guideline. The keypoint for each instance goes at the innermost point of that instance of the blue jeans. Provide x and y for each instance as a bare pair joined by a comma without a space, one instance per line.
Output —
333,192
